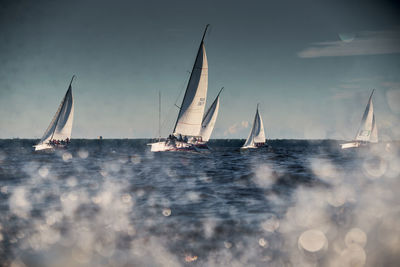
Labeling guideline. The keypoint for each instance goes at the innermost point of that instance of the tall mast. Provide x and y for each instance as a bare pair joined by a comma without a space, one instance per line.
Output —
159,116
70,83
194,64
371,94
220,91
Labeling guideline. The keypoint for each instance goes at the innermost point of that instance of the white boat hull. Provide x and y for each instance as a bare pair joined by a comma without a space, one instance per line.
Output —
255,146
44,147
177,146
350,145
357,144
168,146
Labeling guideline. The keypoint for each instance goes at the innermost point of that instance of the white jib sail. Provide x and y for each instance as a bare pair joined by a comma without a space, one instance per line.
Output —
257,134
208,123
60,127
367,124
192,108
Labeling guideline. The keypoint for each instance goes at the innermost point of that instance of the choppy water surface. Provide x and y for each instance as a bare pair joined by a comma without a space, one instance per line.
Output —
114,203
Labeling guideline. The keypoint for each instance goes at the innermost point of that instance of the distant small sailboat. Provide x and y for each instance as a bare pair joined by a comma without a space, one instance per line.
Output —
256,137
58,134
192,130
368,131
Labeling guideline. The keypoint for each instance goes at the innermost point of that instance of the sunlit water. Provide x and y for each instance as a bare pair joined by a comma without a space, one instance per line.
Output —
114,203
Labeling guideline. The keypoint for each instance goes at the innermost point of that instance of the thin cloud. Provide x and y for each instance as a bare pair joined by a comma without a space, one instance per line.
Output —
343,95
236,127
350,86
365,43
391,85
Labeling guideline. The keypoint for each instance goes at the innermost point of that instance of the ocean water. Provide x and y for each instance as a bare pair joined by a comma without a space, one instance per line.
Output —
114,203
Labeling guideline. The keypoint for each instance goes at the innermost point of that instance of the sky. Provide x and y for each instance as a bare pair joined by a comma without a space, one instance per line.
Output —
311,65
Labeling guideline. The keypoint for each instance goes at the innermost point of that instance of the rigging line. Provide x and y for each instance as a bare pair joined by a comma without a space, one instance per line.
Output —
169,112
182,88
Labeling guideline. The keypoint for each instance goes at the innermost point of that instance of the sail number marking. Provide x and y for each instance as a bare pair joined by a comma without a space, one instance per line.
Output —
201,102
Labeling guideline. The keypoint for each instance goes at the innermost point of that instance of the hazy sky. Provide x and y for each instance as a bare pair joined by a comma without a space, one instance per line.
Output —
310,64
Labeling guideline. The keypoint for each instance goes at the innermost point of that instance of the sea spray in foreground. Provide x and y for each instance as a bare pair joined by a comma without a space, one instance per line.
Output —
112,203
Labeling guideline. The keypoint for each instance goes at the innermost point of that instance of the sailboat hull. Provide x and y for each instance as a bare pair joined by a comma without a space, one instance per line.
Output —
255,146
357,144
40,147
178,146
350,145
169,146
47,147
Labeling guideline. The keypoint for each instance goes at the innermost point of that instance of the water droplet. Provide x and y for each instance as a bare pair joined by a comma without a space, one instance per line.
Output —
136,159
227,244
43,171
126,198
356,236
67,156
83,154
166,212
271,224
190,258
313,243
72,181
263,243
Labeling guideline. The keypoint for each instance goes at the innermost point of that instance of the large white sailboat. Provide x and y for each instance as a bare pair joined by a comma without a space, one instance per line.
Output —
58,134
192,129
368,131
256,137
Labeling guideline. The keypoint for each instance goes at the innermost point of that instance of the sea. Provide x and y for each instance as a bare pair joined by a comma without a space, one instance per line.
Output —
114,203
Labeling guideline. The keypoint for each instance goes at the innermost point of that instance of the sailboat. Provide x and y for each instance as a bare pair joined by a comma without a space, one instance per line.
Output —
256,137
192,129
368,131
58,134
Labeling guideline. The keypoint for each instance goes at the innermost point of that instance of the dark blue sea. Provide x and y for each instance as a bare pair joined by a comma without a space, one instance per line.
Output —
115,203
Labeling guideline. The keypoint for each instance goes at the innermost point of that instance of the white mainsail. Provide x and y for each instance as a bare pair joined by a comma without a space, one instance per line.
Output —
368,131
192,109
257,134
60,127
208,123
